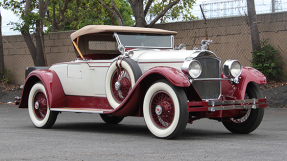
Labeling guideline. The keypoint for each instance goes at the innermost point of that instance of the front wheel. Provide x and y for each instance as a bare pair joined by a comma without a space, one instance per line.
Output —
252,118
165,110
38,107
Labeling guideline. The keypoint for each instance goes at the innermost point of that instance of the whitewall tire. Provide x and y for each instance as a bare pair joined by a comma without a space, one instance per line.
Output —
38,107
120,82
165,110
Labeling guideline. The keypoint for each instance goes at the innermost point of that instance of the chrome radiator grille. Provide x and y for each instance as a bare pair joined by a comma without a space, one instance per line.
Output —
210,69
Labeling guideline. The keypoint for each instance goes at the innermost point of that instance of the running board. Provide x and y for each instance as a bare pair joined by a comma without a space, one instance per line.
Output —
81,110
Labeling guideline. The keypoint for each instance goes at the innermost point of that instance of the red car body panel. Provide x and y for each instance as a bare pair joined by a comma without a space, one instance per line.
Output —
174,76
248,75
52,84
88,102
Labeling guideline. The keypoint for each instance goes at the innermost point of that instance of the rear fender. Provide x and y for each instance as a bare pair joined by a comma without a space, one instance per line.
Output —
52,84
248,75
134,100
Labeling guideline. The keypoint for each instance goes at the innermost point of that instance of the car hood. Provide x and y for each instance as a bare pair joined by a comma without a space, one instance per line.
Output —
157,55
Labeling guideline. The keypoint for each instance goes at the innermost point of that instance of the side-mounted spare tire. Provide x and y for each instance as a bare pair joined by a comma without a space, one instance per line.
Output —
120,79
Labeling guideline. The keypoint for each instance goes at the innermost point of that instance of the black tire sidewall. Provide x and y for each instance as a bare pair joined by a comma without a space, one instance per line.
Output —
255,117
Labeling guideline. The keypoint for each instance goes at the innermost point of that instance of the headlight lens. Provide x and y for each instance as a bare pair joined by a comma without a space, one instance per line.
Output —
232,68
192,67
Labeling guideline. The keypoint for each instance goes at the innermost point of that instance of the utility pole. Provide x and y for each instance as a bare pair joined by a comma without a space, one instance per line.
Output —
273,6
1,50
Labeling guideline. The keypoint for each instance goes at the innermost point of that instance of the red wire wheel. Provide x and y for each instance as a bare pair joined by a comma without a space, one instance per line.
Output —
165,109
40,105
162,109
121,84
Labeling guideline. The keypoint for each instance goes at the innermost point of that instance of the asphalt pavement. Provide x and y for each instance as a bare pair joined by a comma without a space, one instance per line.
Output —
86,137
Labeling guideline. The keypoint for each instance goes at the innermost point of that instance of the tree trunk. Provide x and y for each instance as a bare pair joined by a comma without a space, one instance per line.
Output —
36,52
138,10
1,51
253,26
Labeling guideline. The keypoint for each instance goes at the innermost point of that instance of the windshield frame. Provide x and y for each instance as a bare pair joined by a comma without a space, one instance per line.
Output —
145,47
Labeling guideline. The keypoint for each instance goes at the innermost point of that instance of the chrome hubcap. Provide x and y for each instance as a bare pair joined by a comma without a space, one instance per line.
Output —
36,105
158,110
117,86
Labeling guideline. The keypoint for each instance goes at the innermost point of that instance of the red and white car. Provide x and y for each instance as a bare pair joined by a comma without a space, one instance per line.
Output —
122,71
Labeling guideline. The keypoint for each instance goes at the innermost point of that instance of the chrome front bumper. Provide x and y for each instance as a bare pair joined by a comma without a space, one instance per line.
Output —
212,106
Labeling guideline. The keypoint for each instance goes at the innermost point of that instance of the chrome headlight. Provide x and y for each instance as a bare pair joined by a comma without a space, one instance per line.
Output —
232,68
192,67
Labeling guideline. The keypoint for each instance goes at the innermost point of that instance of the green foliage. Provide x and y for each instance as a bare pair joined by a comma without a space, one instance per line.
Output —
268,62
18,7
181,11
80,13
6,77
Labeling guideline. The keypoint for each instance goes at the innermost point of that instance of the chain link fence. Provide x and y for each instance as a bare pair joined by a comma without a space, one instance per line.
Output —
231,36
230,40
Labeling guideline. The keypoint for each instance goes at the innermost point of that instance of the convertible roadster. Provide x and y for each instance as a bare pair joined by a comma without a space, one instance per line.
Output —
122,71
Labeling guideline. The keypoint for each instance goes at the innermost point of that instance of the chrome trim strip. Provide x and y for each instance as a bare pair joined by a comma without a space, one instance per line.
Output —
79,110
214,103
234,107
208,79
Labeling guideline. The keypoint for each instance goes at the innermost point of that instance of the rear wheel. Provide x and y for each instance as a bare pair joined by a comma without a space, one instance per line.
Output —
252,118
165,110
110,119
38,107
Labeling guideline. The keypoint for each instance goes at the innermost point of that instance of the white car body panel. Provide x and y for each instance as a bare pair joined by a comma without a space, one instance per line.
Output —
88,77
83,77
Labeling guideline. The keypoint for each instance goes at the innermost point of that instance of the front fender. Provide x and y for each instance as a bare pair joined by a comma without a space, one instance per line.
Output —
55,94
135,98
174,76
248,75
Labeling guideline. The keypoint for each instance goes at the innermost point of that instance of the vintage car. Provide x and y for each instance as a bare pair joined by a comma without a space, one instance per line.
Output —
122,71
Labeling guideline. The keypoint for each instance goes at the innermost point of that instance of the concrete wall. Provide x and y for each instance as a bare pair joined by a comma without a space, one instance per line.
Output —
231,40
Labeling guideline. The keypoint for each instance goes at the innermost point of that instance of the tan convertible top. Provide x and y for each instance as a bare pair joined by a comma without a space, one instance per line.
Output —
90,29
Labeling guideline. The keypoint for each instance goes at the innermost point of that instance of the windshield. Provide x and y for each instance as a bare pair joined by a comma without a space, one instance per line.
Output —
146,41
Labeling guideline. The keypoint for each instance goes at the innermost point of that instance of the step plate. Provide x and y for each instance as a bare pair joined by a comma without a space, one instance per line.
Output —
81,110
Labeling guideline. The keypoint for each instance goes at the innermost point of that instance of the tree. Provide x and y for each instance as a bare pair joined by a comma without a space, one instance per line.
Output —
74,14
155,10
32,12
256,46
1,50
58,15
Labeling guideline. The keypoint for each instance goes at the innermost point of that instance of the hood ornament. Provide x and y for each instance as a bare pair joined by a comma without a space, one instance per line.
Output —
204,44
